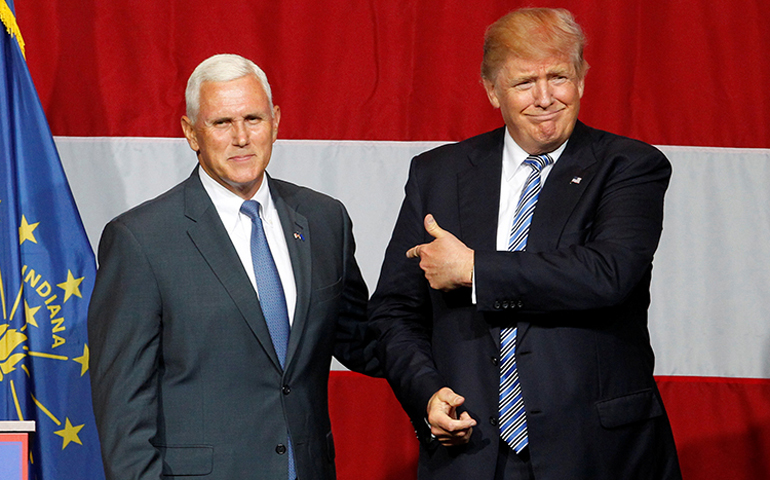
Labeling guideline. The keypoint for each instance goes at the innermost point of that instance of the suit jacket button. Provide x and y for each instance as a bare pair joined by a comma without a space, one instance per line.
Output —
286,390
493,421
496,305
280,449
495,361
519,304
506,304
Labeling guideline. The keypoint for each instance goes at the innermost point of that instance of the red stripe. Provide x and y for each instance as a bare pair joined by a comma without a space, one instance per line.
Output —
373,436
690,72
763,382
720,426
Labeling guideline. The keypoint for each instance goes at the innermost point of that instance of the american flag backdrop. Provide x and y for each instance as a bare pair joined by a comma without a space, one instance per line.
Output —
364,86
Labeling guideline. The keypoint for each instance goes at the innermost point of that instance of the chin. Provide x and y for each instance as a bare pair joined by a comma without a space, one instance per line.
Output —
551,139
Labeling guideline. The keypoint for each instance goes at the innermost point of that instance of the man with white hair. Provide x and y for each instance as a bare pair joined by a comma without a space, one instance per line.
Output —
219,304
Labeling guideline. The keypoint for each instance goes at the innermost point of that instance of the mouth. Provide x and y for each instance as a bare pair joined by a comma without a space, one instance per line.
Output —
545,116
240,158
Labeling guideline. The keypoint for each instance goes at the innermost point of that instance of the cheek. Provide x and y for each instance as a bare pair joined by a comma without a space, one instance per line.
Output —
264,136
214,141
570,95
518,104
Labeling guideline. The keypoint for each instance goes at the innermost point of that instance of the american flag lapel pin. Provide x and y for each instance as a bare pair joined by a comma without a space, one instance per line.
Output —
298,236
576,180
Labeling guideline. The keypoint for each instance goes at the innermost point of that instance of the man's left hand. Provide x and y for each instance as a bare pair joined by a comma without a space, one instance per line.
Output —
446,261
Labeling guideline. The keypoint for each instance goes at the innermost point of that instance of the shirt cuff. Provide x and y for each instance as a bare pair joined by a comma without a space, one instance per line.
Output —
473,286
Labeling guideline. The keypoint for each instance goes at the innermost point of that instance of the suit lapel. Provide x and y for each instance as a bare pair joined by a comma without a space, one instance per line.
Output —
214,244
297,234
563,189
479,194
479,200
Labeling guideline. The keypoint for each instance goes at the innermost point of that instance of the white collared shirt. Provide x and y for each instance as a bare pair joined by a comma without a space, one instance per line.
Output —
515,174
238,226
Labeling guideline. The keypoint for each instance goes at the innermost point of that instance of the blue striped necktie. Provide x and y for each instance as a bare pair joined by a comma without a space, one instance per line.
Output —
513,420
271,297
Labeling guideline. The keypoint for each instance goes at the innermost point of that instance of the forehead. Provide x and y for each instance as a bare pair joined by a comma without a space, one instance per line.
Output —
245,92
515,67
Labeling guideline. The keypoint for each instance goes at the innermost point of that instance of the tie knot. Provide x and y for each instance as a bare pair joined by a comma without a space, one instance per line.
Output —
538,162
250,208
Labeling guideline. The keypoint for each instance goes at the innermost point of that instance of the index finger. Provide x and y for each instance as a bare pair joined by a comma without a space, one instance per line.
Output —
413,252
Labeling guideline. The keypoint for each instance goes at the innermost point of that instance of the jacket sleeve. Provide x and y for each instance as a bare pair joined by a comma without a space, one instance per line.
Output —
400,313
604,251
353,347
124,326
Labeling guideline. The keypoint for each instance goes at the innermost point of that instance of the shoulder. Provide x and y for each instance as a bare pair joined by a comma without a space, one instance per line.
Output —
614,159
479,145
159,214
610,145
169,201
443,164
305,200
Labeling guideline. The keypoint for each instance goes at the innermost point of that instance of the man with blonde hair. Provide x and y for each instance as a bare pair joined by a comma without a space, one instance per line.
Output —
512,304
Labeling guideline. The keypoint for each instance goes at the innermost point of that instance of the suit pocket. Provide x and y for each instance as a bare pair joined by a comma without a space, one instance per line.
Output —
328,292
189,460
635,407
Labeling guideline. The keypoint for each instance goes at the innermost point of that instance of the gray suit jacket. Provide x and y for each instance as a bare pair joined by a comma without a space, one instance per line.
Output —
184,376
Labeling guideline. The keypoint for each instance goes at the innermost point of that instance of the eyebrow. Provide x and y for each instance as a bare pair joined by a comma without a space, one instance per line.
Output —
248,116
559,72
556,72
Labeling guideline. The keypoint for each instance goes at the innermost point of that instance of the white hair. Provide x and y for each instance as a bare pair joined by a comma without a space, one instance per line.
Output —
221,68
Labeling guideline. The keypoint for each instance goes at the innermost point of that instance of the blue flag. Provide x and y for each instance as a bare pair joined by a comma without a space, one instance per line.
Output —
47,272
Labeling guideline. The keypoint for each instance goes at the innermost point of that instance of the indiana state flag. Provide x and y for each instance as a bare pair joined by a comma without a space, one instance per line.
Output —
47,272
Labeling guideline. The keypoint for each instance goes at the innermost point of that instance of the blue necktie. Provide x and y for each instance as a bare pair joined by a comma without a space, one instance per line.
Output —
271,296
513,420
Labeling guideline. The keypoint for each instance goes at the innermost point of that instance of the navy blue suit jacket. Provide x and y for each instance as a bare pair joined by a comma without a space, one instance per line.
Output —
579,295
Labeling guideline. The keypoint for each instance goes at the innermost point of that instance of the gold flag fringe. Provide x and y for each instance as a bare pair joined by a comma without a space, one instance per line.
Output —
6,15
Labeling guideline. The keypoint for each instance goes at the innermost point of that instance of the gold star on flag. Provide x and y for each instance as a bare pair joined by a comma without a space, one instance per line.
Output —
71,286
25,231
83,360
69,434
29,313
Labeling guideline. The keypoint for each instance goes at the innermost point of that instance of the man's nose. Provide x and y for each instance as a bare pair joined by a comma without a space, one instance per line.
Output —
240,133
543,93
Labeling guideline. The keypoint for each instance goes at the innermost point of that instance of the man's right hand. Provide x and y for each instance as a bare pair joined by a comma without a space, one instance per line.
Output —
444,422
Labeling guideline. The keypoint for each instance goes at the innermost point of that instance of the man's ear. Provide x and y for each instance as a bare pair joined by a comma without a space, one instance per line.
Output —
491,95
276,121
189,133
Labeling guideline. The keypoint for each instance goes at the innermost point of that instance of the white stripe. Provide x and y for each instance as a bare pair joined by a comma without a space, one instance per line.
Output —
712,271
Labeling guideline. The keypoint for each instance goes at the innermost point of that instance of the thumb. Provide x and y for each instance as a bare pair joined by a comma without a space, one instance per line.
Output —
431,226
451,398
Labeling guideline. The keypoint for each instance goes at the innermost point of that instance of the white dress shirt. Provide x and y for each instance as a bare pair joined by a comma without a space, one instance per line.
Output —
512,181
238,226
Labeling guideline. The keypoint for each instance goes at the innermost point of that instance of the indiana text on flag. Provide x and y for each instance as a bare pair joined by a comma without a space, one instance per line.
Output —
47,271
